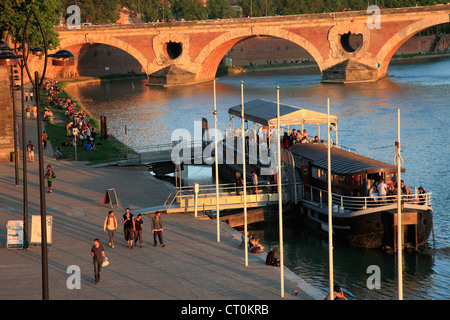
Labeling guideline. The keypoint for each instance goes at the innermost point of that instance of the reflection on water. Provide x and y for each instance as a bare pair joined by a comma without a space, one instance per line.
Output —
367,114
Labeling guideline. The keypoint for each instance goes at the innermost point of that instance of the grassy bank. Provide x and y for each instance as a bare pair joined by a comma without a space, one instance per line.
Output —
106,149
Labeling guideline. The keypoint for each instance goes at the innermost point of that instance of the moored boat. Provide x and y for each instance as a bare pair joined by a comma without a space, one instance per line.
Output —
361,216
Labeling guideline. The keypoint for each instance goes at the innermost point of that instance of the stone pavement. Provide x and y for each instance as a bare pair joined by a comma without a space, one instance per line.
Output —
192,266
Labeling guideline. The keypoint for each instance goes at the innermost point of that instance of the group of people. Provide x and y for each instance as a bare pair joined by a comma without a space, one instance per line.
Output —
379,190
273,259
28,111
253,244
297,136
78,128
240,183
133,231
133,228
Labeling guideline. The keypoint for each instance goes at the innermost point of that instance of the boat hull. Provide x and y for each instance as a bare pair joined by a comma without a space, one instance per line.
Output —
372,228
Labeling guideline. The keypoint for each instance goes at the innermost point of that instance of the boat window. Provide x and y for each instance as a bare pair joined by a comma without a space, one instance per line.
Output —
350,180
321,174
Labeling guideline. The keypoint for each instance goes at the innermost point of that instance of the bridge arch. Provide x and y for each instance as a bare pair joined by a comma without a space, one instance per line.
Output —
74,41
391,46
209,58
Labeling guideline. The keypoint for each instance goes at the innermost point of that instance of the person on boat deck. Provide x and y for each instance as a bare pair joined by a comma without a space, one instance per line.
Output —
293,135
316,139
287,142
337,293
405,188
382,190
305,134
422,196
373,191
298,137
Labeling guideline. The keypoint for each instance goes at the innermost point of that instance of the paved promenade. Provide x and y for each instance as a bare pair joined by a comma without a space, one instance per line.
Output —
192,266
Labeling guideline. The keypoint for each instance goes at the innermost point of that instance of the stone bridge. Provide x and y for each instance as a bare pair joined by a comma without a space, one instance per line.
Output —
190,52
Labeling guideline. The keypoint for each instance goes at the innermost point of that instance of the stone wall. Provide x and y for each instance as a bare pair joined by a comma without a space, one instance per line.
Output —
6,116
260,50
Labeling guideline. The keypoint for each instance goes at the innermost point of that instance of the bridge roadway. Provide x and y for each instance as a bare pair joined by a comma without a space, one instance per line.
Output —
192,266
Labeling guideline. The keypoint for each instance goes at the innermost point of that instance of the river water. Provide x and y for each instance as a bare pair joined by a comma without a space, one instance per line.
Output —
367,114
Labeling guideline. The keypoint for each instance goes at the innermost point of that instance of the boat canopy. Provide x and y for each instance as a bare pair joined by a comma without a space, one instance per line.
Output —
265,112
342,161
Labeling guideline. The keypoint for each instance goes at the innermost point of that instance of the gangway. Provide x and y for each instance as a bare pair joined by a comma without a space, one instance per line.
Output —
185,199
159,153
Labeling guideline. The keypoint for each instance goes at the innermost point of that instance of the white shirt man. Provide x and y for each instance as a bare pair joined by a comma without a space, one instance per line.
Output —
382,191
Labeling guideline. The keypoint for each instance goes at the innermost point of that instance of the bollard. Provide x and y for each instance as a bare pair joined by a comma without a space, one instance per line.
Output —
196,188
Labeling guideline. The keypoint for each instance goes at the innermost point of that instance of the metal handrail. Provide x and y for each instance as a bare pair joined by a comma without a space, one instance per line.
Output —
153,148
228,188
320,197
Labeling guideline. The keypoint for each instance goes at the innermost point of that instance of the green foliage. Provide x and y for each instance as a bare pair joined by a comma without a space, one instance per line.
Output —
221,9
188,9
14,13
98,11
257,8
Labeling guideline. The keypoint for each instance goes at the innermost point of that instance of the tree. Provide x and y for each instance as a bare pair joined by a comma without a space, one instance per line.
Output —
220,9
99,11
13,16
188,9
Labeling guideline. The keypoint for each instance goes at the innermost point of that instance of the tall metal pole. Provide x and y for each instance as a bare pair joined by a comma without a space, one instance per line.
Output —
24,163
280,198
330,220
216,160
399,214
16,140
244,174
42,194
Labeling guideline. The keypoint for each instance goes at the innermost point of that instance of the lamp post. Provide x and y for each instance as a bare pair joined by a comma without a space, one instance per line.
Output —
21,64
60,58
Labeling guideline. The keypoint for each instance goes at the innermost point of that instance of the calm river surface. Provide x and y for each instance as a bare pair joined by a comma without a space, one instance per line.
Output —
367,116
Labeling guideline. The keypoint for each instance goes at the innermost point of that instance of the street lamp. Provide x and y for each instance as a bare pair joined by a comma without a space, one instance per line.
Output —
63,58
24,145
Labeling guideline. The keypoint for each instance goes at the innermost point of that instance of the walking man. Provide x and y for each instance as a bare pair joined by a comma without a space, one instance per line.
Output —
30,149
98,254
138,230
44,139
50,175
157,229
111,225
128,228
382,191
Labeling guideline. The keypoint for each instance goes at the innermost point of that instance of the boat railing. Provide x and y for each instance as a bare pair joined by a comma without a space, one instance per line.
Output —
343,203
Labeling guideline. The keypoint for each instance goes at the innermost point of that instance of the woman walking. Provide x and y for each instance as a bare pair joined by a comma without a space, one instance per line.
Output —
110,225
